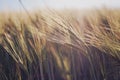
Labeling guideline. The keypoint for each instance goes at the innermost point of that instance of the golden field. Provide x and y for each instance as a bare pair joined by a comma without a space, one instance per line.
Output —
61,45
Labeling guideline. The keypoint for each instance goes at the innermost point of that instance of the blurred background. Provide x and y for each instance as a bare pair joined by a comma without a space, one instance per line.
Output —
59,4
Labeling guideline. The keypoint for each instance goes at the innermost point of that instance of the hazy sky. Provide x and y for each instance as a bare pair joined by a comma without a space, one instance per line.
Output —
32,4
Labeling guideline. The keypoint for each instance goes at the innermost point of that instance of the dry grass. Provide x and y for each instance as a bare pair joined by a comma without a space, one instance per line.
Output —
65,44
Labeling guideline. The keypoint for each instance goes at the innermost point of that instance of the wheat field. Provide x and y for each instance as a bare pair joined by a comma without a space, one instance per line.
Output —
60,45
